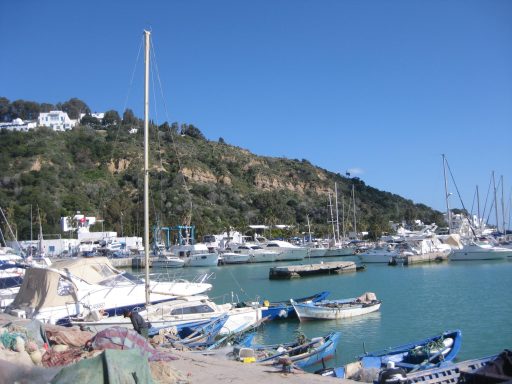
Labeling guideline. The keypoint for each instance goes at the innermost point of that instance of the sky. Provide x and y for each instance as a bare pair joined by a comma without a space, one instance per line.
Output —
379,89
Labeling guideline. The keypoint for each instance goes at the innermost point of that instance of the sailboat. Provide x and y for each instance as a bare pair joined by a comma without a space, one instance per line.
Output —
93,287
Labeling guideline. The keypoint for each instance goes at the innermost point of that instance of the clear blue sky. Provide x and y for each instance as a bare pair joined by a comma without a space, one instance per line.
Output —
381,88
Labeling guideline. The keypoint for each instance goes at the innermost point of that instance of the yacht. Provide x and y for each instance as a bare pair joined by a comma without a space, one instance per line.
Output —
479,251
69,287
256,253
196,255
379,254
180,311
286,251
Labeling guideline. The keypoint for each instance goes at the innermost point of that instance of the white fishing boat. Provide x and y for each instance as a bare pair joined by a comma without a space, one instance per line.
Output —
184,310
337,309
69,287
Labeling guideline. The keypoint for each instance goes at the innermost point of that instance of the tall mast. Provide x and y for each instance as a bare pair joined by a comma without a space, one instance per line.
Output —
495,202
478,205
343,215
337,215
446,195
146,162
354,202
502,207
332,219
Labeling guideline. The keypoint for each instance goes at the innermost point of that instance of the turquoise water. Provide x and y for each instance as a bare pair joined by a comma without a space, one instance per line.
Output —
418,301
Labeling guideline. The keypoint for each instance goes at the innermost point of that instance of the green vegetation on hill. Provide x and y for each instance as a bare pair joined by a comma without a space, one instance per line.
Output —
211,185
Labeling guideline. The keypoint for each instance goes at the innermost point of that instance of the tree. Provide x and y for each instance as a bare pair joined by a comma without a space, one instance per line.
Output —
4,109
192,131
111,118
90,121
74,107
129,119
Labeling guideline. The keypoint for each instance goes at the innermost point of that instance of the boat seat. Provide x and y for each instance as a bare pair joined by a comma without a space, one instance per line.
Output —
371,362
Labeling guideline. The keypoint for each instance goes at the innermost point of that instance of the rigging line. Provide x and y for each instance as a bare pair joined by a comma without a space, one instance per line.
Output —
173,143
160,151
485,205
460,198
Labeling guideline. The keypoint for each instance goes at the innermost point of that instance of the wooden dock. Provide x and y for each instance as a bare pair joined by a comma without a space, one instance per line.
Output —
327,268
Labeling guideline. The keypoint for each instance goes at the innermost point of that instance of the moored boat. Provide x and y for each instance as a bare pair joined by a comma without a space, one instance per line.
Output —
435,351
337,309
301,353
284,309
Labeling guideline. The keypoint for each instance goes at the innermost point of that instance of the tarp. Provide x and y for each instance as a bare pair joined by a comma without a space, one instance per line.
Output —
90,269
110,367
40,289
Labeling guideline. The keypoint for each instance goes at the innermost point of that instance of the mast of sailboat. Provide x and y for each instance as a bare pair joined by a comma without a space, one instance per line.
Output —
354,202
332,219
446,195
495,203
478,208
343,216
146,162
337,215
502,207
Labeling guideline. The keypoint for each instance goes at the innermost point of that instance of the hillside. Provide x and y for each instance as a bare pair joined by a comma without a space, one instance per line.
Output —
212,185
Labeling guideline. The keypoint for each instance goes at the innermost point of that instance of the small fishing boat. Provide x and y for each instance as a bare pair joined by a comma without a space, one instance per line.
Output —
301,353
337,309
197,335
435,351
284,309
450,372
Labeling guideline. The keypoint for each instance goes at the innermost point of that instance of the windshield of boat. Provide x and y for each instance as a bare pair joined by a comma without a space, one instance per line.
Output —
122,278
193,309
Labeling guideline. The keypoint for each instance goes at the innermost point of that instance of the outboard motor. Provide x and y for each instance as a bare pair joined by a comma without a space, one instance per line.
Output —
392,375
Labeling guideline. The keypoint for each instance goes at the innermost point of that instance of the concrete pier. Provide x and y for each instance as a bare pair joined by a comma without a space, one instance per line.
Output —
418,259
328,268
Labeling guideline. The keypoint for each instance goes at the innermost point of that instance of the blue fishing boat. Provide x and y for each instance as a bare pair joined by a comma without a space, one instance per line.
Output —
431,352
300,353
284,309
198,336
450,372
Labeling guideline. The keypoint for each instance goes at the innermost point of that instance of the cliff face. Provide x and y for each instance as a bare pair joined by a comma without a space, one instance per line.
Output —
214,185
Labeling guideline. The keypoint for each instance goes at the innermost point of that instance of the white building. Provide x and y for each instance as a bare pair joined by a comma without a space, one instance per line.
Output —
18,125
56,120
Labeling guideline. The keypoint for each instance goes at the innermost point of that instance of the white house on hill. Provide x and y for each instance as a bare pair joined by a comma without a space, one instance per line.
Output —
56,120
18,125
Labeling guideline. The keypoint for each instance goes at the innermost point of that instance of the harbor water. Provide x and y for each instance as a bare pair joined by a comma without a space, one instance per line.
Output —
417,302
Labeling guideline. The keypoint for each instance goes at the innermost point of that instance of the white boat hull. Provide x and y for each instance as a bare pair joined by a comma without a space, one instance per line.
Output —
316,312
262,257
234,258
202,260
377,257
292,254
468,254
238,320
